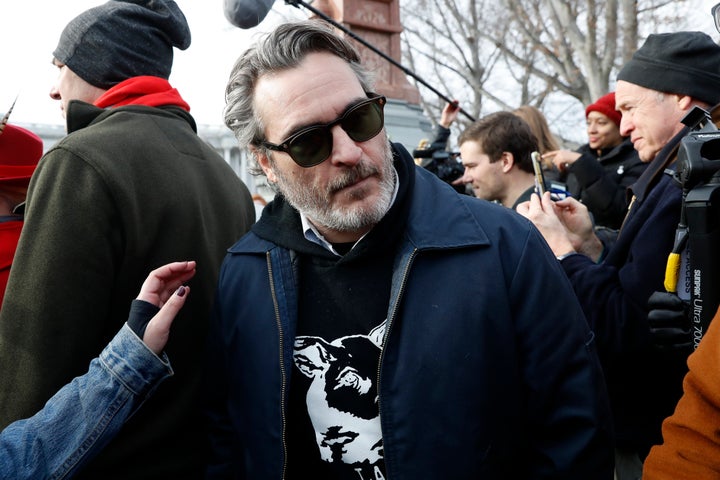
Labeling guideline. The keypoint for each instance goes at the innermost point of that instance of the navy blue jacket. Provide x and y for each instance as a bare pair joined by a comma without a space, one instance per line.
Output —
644,385
488,369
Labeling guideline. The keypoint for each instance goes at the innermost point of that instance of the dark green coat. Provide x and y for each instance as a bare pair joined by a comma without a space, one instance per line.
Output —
128,190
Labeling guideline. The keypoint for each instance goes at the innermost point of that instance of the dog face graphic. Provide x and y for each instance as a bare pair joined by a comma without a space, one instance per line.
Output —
342,399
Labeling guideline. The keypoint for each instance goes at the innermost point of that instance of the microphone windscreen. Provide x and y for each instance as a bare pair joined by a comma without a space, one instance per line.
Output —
247,13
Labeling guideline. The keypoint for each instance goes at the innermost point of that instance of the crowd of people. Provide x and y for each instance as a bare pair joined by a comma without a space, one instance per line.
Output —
654,91
599,172
371,322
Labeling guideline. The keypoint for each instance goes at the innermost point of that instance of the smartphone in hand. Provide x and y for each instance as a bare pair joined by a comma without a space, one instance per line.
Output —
539,177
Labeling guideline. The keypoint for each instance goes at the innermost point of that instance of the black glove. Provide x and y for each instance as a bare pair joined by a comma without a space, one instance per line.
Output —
669,322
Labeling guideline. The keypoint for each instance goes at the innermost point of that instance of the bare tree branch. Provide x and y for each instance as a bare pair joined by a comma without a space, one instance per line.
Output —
556,54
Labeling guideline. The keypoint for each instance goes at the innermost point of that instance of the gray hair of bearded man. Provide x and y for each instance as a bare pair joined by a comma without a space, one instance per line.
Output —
282,49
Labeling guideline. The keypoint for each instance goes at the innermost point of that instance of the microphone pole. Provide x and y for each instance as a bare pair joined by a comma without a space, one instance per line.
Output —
296,3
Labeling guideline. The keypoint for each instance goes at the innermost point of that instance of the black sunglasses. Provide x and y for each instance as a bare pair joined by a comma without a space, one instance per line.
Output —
312,145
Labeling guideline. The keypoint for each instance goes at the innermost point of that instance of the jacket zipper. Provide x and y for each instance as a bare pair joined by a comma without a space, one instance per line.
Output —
282,363
390,320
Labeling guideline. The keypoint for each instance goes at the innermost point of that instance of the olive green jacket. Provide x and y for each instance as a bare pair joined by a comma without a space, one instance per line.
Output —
128,190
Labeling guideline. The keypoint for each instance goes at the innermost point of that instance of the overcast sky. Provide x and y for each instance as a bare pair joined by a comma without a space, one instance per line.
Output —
30,30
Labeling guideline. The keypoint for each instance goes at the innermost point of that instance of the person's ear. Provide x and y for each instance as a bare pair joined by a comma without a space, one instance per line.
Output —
685,102
264,162
508,161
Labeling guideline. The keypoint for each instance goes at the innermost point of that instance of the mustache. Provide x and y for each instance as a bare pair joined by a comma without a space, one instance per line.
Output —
353,175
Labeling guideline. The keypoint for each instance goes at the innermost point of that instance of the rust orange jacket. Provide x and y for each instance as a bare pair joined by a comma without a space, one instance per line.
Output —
691,435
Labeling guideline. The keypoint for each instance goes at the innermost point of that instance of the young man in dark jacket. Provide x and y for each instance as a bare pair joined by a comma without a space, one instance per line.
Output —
496,152
664,80
375,323
130,188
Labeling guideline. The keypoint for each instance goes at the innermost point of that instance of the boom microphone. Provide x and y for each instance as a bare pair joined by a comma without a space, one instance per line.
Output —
247,13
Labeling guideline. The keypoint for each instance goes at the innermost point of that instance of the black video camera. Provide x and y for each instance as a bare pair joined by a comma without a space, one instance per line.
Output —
698,172
699,155
443,164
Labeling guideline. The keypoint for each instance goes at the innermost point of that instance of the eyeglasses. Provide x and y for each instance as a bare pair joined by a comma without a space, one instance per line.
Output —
716,16
312,145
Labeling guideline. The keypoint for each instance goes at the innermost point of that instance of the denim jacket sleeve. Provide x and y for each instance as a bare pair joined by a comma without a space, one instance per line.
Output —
83,416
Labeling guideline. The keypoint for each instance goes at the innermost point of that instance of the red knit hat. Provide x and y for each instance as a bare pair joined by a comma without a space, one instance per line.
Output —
20,151
606,106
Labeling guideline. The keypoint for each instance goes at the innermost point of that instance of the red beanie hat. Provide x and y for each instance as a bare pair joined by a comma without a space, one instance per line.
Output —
20,151
606,106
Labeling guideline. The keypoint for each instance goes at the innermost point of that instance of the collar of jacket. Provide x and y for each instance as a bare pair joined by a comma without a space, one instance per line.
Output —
81,114
438,217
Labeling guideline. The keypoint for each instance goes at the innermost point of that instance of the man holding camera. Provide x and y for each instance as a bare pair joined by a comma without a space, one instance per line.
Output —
435,157
669,75
691,435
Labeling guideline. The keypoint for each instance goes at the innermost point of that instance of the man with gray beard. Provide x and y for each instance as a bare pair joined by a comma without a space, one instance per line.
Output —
375,323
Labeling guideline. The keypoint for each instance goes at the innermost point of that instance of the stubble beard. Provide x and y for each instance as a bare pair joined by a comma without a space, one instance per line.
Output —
315,201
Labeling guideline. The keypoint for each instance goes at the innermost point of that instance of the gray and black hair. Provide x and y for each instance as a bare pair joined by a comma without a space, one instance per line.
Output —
282,49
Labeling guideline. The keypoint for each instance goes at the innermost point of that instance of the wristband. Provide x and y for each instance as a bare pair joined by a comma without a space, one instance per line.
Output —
140,314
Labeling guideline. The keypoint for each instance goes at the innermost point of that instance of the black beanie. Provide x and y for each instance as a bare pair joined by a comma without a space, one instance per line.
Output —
684,63
122,39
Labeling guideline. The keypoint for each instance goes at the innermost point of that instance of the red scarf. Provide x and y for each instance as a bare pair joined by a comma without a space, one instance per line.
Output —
144,90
